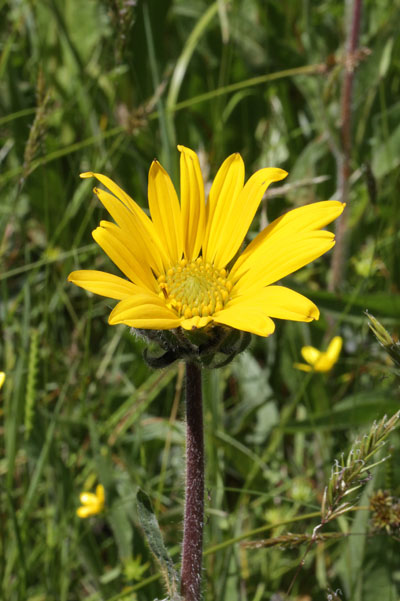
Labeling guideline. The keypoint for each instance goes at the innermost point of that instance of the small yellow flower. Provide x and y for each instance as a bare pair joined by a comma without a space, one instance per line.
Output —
183,266
318,360
92,504
2,378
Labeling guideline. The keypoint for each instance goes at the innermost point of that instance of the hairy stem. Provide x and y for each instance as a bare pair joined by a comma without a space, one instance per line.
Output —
194,497
343,166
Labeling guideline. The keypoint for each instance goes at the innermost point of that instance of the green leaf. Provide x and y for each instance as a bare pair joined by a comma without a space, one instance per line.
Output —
154,538
385,156
354,410
121,527
350,565
383,304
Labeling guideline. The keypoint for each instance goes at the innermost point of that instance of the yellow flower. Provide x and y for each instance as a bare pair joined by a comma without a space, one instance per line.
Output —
2,378
318,360
182,265
92,504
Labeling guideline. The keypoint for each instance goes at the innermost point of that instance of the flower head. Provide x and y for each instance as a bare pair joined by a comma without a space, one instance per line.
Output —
391,346
183,266
2,378
385,511
321,360
92,504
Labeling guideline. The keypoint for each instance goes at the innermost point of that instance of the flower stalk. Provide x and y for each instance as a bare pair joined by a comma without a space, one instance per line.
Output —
344,156
192,547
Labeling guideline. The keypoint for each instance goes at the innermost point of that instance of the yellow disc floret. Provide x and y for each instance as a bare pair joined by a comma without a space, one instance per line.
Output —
195,288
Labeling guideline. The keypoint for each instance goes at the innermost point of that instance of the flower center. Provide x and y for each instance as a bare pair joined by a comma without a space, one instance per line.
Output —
195,288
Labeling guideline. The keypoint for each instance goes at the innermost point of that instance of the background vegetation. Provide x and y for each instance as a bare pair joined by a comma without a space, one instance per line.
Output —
108,85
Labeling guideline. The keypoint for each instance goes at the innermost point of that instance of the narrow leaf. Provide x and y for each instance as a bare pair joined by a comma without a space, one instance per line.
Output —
154,538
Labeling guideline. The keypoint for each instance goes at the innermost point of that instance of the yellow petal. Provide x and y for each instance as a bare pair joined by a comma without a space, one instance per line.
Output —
323,364
282,303
130,204
302,366
280,258
246,317
145,311
116,244
195,322
286,228
88,498
100,493
145,245
192,202
165,211
334,348
241,212
225,189
2,378
85,512
310,217
310,354
118,192
327,359
104,284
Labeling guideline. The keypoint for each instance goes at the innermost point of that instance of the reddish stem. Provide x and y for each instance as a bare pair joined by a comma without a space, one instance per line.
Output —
192,547
344,170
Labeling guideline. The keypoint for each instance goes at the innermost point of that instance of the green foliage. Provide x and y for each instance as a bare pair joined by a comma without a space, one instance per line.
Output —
31,382
153,535
108,85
